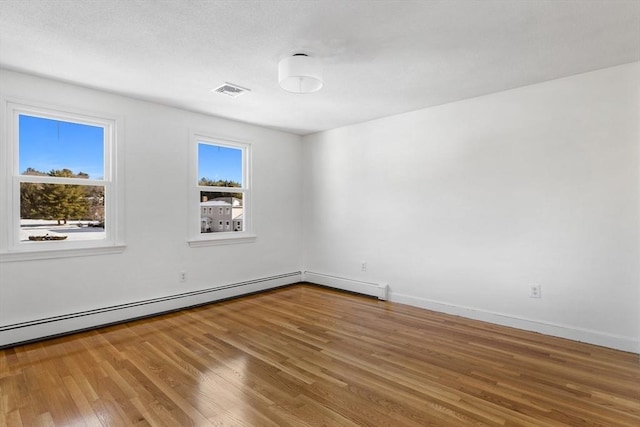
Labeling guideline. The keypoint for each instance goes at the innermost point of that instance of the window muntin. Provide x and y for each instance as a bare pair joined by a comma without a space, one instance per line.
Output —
60,181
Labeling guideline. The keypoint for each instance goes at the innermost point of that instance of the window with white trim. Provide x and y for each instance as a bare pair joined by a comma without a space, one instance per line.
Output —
220,192
60,184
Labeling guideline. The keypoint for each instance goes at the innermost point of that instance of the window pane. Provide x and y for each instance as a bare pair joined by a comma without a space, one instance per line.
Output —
221,212
54,212
47,145
219,166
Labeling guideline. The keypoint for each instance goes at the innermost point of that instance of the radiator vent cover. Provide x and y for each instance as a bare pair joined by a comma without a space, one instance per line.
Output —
231,90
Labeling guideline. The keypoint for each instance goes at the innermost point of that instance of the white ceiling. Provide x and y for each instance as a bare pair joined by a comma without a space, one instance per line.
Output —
380,57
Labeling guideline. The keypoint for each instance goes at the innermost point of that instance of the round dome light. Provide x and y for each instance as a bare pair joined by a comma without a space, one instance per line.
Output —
300,74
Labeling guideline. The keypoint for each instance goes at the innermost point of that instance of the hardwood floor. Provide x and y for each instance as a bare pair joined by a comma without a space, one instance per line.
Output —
305,355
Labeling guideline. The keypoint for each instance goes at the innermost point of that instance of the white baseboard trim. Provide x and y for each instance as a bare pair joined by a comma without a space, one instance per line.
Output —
366,288
36,329
617,342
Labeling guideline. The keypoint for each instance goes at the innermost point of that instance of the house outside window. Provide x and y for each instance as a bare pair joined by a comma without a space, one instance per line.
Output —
61,178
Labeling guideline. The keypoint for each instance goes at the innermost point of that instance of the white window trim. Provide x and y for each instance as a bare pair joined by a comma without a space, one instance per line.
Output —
197,239
10,247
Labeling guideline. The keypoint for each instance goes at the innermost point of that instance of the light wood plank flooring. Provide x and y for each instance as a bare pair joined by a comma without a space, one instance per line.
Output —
305,355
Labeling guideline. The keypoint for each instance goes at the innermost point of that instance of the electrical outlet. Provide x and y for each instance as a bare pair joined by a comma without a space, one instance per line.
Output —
535,291
363,265
183,276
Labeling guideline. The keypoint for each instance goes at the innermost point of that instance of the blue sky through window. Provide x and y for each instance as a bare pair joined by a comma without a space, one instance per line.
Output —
216,162
47,144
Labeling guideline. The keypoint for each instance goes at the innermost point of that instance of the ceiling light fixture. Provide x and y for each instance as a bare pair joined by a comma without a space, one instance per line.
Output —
300,73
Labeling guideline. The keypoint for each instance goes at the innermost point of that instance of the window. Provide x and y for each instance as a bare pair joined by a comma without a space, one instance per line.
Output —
220,180
62,195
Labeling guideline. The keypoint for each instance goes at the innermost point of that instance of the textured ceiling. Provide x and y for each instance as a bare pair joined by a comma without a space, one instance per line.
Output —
380,57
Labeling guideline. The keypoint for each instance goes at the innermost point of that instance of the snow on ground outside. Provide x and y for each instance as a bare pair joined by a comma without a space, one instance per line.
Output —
40,227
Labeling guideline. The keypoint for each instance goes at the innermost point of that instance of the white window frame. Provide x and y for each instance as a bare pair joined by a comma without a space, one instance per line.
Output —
196,238
11,248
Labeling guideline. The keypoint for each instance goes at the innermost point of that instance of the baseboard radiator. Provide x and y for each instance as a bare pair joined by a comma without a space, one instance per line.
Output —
377,290
36,329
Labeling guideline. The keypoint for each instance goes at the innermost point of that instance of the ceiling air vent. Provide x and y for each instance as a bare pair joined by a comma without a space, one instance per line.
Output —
231,90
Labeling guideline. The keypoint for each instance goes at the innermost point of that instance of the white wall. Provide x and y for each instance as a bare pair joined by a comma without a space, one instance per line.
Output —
462,207
156,142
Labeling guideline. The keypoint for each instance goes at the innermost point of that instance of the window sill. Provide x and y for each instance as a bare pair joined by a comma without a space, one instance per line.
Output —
28,255
222,239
